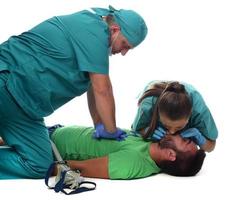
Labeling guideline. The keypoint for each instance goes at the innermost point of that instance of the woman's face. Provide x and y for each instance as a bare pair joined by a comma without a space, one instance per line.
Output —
173,126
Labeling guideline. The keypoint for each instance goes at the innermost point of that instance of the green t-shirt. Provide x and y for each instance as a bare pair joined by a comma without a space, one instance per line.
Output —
49,64
128,159
201,117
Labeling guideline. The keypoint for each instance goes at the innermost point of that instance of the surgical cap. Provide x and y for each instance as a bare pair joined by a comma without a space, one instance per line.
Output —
131,23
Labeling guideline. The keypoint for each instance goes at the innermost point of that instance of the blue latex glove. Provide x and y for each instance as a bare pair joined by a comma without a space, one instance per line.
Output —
100,132
99,126
195,135
159,133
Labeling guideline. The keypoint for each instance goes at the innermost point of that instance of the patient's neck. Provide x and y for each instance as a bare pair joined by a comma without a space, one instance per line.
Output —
156,153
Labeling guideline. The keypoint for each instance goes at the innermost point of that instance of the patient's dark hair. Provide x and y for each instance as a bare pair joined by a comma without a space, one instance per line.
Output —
186,163
173,101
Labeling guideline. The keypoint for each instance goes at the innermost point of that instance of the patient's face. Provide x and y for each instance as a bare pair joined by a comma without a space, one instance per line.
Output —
182,144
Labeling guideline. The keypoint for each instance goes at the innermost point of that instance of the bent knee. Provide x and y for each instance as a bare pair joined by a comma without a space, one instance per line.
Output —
37,169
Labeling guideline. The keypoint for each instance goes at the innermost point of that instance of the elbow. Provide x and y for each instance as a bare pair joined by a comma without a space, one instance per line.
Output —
209,146
209,149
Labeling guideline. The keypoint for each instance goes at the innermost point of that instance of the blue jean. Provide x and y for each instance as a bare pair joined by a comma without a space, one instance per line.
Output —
30,154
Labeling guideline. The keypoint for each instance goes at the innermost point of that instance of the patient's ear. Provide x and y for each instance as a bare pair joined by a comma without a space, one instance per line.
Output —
170,154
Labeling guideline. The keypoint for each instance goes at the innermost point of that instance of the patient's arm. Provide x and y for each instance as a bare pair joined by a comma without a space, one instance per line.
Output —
209,145
93,168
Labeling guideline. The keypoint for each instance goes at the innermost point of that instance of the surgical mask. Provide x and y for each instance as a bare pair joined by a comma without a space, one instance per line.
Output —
111,45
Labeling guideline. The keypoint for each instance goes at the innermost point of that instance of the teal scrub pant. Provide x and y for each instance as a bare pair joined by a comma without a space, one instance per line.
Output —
30,154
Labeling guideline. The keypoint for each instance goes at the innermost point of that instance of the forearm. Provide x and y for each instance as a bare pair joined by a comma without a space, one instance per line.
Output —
209,145
92,107
93,168
104,100
106,108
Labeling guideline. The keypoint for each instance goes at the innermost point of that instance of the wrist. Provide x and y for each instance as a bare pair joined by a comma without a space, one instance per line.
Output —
201,140
111,131
107,134
98,124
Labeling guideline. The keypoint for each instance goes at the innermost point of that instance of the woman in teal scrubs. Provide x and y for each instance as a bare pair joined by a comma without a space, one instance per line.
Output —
49,65
173,107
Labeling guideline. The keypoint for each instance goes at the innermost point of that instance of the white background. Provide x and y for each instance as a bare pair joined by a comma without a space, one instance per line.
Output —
187,41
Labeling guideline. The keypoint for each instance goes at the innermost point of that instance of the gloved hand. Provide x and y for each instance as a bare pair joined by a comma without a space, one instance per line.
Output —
158,134
195,135
100,132
99,126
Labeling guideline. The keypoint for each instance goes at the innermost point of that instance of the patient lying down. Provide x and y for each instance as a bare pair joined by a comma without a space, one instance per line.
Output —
129,159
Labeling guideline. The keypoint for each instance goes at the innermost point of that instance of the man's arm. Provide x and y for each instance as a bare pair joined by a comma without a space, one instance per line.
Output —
104,100
92,107
93,168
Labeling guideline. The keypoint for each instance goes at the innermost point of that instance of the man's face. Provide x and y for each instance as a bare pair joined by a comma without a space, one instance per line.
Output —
119,44
181,144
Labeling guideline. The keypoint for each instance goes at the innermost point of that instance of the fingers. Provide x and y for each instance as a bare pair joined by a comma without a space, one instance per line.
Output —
100,132
122,137
161,129
158,134
156,137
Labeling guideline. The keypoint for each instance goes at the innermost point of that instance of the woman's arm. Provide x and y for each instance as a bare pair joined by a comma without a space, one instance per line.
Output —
93,168
209,145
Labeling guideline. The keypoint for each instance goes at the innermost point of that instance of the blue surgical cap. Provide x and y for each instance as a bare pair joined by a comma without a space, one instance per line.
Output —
131,23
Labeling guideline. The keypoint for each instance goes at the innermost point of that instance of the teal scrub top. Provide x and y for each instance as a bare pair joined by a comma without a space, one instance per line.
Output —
201,117
49,64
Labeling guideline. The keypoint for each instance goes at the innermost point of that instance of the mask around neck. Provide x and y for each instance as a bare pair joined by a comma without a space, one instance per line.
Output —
111,45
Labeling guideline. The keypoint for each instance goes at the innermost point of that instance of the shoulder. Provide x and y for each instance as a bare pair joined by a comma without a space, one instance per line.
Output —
190,88
194,94
150,84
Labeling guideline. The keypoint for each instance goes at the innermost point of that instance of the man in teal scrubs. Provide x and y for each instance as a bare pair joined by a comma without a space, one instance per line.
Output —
129,159
49,65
